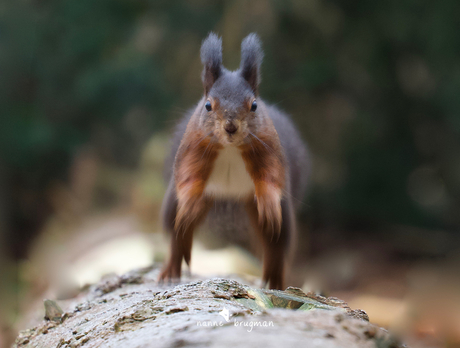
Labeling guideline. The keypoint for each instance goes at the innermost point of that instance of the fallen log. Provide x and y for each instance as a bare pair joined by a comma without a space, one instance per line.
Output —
134,310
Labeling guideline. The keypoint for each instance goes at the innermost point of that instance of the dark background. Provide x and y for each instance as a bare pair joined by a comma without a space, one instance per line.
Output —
372,85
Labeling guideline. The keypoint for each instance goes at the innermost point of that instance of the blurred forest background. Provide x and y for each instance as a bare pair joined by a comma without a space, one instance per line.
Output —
89,90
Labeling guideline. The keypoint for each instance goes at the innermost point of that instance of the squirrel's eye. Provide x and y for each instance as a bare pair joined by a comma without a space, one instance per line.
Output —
254,106
208,106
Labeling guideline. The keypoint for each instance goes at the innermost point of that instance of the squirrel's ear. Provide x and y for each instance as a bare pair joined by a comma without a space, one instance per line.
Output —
251,59
211,57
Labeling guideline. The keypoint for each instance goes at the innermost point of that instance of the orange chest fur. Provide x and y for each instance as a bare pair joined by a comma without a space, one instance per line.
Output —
210,169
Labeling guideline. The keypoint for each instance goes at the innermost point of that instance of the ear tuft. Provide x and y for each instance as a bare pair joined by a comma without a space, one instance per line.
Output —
211,57
251,59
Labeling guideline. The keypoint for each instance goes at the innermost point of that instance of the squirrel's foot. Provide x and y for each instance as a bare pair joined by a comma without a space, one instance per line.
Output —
170,273
274,282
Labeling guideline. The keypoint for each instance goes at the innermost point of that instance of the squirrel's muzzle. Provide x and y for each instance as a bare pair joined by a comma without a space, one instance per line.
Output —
230,127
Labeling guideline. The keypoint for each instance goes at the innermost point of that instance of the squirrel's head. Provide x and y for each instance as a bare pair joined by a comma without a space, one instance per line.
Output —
229,109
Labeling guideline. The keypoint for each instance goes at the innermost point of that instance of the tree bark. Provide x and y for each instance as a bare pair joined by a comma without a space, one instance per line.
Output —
135,311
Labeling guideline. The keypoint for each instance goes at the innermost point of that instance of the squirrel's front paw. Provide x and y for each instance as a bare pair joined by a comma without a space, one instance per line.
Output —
269,209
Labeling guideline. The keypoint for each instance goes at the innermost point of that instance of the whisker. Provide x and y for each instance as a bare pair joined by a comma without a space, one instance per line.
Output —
263,143
201,139
252,146
290,195
179,109
205,150
212,139
278,102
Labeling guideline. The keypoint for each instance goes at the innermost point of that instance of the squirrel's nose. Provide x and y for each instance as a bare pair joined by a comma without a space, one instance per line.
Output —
230,127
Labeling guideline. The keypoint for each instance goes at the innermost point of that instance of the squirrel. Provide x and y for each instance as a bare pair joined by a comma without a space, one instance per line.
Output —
234,147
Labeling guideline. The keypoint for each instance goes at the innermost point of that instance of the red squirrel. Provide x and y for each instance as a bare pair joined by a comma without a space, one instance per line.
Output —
234,147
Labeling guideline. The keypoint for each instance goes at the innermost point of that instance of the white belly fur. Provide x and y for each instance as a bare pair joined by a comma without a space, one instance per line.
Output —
229,178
